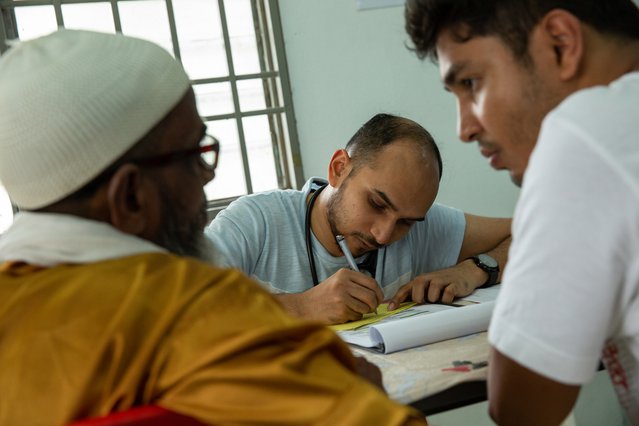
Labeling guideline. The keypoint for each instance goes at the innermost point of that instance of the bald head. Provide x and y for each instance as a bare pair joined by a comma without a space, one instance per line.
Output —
384,130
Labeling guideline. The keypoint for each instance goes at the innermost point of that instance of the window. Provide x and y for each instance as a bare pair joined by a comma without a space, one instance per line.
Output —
233,52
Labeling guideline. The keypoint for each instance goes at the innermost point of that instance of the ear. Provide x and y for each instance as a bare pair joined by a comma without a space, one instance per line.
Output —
564,34
339,167
128,201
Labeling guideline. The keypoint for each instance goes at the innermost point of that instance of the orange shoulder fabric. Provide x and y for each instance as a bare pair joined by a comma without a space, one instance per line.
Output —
84,340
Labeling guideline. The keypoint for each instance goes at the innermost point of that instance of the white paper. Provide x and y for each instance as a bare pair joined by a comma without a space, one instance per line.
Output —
421,325
481,295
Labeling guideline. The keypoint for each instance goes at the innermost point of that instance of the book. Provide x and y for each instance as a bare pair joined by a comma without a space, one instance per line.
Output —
419,325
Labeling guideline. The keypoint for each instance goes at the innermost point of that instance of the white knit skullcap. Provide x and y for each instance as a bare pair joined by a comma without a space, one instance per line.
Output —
72,102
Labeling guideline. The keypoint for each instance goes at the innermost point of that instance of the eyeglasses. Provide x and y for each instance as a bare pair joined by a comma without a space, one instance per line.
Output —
208,152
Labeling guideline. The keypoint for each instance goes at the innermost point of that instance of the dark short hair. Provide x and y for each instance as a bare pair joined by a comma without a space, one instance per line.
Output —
510,20
384,129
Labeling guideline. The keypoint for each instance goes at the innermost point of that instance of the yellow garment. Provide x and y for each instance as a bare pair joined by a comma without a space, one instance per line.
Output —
84,340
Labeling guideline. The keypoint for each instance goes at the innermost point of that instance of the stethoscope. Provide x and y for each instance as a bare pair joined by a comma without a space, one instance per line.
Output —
307,232
307,235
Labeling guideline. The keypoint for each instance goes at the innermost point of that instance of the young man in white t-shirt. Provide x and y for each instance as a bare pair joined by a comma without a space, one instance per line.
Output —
550,91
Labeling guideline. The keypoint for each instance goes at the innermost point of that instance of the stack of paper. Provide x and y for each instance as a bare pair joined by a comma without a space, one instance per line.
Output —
422,324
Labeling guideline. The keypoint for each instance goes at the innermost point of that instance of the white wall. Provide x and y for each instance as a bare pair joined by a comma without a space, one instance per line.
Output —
347,65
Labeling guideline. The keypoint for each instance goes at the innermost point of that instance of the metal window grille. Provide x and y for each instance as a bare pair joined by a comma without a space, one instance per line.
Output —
233,50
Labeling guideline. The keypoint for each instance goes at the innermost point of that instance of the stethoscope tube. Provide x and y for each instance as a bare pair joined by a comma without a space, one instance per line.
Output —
307,232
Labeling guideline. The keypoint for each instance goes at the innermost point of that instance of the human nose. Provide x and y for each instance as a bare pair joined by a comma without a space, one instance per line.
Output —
468,126
383,230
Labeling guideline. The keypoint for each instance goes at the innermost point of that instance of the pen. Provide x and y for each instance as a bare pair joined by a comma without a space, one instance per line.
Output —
347,252
351,261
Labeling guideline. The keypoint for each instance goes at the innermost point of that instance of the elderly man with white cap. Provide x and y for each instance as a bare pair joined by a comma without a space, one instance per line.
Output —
103,304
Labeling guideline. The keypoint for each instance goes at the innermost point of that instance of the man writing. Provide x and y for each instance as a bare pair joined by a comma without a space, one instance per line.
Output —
379,196
549,90
103,150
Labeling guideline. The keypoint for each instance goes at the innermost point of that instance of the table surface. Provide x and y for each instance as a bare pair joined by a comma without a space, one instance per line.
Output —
436,377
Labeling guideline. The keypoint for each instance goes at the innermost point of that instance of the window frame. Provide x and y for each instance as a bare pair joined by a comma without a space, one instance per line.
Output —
273,73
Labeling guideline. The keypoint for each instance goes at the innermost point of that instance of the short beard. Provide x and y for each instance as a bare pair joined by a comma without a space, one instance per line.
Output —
333,213
333,207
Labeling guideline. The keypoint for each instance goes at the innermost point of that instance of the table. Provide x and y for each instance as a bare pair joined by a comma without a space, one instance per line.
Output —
436,377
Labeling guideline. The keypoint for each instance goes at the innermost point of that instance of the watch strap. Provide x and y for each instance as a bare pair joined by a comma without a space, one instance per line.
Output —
492,271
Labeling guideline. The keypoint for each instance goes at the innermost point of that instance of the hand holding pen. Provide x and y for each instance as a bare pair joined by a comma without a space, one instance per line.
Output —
344,296
349,258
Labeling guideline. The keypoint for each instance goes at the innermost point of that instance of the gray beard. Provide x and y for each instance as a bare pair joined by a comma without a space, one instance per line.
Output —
186,238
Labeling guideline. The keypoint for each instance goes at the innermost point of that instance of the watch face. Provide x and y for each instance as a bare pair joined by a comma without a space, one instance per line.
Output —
488,260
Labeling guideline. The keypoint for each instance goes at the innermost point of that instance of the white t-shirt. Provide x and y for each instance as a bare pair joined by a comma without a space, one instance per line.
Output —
263,235
570,292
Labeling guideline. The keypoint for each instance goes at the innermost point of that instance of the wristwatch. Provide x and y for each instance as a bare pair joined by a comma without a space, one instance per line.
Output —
489,265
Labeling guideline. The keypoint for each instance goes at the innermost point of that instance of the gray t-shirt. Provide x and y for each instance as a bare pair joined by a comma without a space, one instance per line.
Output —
263,235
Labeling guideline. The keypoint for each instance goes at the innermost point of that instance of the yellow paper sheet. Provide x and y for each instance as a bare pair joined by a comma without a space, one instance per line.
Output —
382,312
